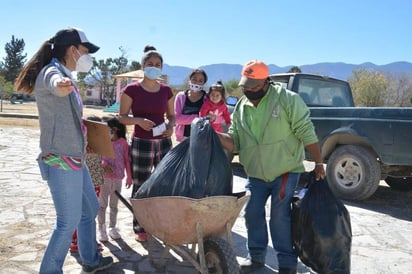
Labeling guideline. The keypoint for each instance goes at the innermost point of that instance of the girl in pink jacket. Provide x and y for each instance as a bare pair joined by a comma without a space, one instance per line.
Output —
215,107
114,172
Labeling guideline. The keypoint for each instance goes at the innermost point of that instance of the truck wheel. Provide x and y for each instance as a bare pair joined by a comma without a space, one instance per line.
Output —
219,257
353,172
401,184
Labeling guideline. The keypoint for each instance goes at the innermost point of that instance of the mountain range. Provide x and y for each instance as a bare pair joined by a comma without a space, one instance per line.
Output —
178,75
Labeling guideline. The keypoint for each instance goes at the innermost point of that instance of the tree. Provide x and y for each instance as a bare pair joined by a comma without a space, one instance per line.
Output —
6,88
232,88
400,90
135,66
102,73
107,69
369,88
2,69
14,60
294,69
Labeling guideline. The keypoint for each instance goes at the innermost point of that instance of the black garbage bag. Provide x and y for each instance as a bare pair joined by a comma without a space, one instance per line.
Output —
321,229
195,168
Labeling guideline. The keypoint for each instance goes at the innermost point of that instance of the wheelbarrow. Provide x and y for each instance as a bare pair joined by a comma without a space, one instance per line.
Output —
178,221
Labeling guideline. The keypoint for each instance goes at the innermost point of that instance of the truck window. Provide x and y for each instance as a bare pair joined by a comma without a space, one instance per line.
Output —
283,82
324,93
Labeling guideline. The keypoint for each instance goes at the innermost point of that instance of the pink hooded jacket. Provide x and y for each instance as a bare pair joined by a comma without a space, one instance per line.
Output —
182,119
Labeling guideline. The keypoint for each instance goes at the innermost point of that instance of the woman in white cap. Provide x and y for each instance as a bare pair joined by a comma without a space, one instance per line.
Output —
63,146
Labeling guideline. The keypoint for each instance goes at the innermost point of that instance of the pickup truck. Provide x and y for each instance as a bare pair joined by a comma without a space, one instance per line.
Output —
21,97
360,145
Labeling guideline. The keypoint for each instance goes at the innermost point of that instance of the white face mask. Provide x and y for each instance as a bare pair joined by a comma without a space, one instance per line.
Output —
84,63
195,87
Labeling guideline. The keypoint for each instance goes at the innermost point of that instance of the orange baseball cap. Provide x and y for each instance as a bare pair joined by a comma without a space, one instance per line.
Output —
253,71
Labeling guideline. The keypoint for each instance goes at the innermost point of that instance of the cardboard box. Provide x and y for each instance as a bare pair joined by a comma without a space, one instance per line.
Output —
98,138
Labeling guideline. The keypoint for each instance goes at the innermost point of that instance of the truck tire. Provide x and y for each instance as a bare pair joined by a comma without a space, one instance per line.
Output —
401,184
353,172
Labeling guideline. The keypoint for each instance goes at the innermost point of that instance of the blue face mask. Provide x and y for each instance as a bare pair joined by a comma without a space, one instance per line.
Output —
152,72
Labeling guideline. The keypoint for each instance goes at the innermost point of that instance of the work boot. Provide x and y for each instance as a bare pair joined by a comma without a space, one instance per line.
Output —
248,265
283,270
104,262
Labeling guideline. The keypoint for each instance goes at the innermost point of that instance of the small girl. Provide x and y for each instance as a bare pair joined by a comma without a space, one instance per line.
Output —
94,164
113,175
215,107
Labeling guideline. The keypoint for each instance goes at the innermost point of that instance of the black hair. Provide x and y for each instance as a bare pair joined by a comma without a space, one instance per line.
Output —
150,51
195,71
218,87
94,118
121,128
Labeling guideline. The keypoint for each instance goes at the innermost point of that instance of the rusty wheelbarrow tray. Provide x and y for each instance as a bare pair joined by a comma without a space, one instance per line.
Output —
177,221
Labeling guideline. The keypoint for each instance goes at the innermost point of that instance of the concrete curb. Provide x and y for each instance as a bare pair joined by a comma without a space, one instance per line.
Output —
19,115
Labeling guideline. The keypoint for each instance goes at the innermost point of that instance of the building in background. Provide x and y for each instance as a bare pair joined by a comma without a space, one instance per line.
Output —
126,78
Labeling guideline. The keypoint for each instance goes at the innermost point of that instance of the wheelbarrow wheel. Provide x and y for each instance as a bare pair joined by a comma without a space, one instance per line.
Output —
219,257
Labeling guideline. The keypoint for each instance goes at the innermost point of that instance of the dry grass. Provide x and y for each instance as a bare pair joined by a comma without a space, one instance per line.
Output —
31,108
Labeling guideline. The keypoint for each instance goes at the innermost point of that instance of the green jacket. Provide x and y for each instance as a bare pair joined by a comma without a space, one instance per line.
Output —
279,146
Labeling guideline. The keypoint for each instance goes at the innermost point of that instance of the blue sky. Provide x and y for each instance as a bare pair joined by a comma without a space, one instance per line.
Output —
197,33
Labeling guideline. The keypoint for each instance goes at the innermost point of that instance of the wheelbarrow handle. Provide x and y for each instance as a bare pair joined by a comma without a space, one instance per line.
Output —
124,201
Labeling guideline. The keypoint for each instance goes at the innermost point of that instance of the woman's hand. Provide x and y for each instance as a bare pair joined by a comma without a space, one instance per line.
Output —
167,133
108,169
146,124
89,150
64,86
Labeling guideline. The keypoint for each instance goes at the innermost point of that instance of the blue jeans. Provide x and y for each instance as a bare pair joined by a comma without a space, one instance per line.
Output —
279,223
76,206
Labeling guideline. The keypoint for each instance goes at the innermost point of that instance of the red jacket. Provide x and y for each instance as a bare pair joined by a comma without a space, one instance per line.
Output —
219,110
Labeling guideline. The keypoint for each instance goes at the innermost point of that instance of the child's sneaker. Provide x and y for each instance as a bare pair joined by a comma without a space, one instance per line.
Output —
105,262
74,247
141,237
114,233
103,236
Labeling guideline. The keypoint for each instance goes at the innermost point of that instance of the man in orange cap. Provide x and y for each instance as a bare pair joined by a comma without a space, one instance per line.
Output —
270,130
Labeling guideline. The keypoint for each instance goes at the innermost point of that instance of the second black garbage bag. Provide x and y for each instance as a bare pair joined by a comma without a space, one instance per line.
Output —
195,168
321,229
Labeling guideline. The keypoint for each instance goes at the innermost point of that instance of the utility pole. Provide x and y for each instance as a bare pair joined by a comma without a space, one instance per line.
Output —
1,99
